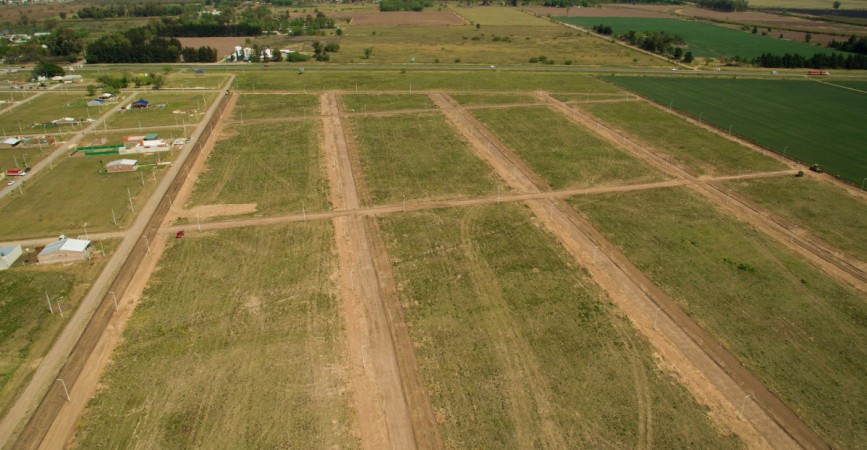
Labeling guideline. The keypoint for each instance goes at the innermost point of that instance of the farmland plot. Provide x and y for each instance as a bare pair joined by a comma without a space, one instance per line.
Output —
385,102
259,106
520,349
797,329
240,355
418,157
563,153
493,99
30,117
166,109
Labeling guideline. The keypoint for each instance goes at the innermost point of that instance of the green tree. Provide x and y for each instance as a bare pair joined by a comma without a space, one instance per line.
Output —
65,42
367,52
47,69
91,90
755,29
837,4
678,52
808,37
687,57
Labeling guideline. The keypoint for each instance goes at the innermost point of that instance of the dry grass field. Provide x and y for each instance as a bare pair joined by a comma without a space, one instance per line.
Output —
266,106
179,108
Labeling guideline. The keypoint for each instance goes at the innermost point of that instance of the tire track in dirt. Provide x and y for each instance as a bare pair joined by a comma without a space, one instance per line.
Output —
392,407
711,373
832,261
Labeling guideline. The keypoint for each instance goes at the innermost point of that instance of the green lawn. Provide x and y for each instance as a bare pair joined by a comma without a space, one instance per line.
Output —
797,329
29,118
275,165
180,108
563,153
520,349
22,156
704,40
813,122
397,167
240,355
859,85
187,79
259,106
704,152
826,210
385,102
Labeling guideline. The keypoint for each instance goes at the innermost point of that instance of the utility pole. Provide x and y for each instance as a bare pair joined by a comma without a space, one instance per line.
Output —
115,300
48,299
65,391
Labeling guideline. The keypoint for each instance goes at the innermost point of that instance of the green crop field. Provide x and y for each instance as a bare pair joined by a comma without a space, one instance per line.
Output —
520,349
797,329
180,108
385,102
858,85
29,118
27,326
704,152
259,106
61,200
563,153
241,355
702,39
493,99
396,168
817,4
317,80
275,165
826,210
812,122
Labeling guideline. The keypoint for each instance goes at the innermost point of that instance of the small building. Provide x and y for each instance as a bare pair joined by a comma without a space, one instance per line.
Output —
96,102
72,78
65,250
15,172
8,255
121,165
47,140
11,141
132,140
66,121
108,97
140,104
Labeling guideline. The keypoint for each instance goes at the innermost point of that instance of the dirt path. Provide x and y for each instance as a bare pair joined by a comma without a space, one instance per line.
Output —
692,353
830,260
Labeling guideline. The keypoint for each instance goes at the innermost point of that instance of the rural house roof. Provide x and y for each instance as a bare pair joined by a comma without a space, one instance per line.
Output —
122,162
67,244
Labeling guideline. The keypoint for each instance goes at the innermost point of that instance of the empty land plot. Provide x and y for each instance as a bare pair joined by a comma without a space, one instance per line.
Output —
456,81
187,79
11,98
423,18
704,39
27,326
179,108
385,102
772,113
62,200
563,153
499,15
797,329
418,156
520,349
22,156
100,137
261,106
275,165
591,97
703,151
31,117
493,99
827,210
244,354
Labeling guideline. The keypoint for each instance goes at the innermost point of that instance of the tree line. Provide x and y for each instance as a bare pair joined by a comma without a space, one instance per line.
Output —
310,25
818,61
202,54
404,5
204,27
723,5
144,45
855,44
129,10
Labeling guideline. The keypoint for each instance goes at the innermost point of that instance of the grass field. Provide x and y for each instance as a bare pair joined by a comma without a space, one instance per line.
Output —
493,99
240,355
564,154
397,168
772,114
194,105
188,79
498,15
385,102
798,330
704,152
818,4
519,349
275,165
704,40
29,118
828,211
27,327
316,80
62,200
259,106
859,85
23,155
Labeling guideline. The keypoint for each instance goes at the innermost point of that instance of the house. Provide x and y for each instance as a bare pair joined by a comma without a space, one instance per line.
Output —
47,140
65,250
72,78
108,97
66,121
121,165
140,104
96,102
147,143
11,141
8,255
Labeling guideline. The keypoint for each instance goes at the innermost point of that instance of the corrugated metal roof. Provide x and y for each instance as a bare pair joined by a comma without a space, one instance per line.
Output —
122,162
9,249
68,245
150,136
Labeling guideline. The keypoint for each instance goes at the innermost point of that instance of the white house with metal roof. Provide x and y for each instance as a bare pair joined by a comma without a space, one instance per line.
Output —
65,250
8,255
122,165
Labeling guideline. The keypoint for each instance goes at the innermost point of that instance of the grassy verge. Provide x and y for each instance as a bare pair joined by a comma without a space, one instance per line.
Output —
564,154
27,327
386,102
703,151
275,165
246,354
828,211
797,329
493,99
21,156
396,167
519,348
259,106
179,107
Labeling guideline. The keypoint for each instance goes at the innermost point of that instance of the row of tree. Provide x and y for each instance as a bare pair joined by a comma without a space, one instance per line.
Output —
202,54
143,45
205,26
723,5
63,44
855,44
310,25
817,61
404,5
129,10
654,41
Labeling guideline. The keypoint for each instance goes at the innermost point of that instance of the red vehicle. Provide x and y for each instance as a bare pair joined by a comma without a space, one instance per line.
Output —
179,234
818,72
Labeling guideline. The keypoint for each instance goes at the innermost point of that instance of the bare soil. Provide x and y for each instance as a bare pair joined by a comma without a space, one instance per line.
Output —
402,18
224,45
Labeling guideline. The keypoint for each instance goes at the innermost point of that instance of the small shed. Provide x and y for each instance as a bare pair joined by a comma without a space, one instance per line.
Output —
133,140
140,104
11,141
72,78
66,121
96,102
8,255
65,250
122,165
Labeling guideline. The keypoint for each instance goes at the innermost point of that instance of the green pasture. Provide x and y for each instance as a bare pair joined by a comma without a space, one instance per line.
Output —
266,106
566,155
179,108
796,328
240,355
418,156
385,102
809,121
35,116
493,99
703,39
520,349
186,78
